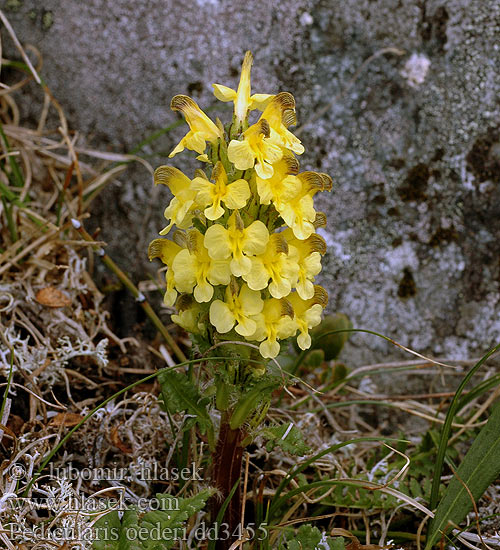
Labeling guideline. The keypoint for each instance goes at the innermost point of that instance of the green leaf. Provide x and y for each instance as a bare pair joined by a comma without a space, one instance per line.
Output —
479,468
293,442
169,520
115,535
445,432
307,537
336,543
156,530
180,394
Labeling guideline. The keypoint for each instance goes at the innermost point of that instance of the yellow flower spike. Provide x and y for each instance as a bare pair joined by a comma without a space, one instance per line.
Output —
297,208
278,263
188,315
273,323
280,113
236,242
194,268
201,128
270,189
180,207
243,101
167,251
307,315
237,308
309,254
233,195
256,147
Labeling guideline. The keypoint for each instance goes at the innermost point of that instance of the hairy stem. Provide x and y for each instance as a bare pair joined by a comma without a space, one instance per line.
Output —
227,460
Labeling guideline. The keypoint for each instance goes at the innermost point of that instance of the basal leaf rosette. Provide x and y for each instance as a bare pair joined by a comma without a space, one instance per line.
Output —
243,257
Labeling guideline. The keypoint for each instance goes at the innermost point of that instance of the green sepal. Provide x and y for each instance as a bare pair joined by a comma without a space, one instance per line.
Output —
199,225
222,396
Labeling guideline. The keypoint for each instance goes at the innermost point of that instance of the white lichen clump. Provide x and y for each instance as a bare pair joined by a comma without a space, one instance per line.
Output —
415,69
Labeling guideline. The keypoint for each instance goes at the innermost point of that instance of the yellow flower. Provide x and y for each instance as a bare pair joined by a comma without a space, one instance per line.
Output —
309,254
296,206
307,315
233,195
167,251
180,207
188,315
236,242
243,101
256,147
280,113
273,323
271,189
237,308
201,128
194,268
278,263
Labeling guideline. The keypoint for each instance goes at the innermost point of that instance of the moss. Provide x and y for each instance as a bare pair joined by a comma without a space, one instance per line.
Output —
407,287
47,20
415,184
13,5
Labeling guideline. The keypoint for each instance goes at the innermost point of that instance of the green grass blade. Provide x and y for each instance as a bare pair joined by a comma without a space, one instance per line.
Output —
11,224
17,176
445,434
315,340
479,468
294,471
222,511
9,382
155,135
478,390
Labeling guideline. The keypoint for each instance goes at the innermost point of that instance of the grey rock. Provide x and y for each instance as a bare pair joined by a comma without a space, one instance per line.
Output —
413,144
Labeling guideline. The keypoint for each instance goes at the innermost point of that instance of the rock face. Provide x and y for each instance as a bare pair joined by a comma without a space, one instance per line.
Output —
413,142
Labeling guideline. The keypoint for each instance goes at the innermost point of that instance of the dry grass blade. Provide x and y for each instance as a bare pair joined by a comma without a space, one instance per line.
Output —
12,34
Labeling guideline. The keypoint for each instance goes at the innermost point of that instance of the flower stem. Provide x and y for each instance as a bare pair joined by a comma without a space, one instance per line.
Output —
227,460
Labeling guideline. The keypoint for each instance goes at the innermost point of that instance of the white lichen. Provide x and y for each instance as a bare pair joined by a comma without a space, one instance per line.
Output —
31,359
415,69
